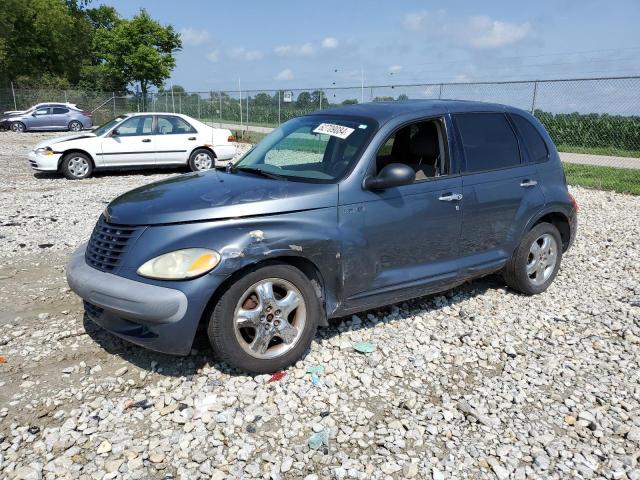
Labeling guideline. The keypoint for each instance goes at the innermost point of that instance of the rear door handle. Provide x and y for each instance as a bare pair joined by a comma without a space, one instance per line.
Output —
528,183
191,138
146,140
450,197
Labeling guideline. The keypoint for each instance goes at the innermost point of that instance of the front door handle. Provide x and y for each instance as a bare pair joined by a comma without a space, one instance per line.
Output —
528,183
146,140
191,138
450,197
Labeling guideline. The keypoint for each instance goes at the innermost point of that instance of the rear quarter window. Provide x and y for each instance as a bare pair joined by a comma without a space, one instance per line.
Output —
535,146
488,141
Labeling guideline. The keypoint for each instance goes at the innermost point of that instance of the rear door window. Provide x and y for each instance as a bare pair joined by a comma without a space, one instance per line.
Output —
173,126
60,111
488,141
534,144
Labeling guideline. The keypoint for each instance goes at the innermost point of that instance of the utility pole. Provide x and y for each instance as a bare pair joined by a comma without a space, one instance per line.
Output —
361,85
240,91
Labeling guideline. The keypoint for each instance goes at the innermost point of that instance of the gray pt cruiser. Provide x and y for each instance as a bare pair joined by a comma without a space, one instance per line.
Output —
335,212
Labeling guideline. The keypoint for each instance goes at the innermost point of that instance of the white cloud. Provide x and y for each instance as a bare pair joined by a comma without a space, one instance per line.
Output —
193,37
242,53
478,32
329,42
395,68
483,32
285,74
303,50
213,56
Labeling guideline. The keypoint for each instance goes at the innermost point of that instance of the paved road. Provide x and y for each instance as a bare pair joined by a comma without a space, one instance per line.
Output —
600,160
581,158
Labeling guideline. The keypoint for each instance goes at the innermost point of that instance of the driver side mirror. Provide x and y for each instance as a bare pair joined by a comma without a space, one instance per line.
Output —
393,175
115,133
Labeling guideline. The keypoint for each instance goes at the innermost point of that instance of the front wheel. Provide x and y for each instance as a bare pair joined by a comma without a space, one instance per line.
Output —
536,261
201,159
76,166
266,320
18,127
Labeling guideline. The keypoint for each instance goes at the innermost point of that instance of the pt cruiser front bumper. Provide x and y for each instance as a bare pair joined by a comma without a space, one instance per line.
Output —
155,317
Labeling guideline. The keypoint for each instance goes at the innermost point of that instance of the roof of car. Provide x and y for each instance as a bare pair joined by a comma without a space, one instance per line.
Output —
382,112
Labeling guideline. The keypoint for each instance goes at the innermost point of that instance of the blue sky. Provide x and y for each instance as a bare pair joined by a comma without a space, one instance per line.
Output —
294,44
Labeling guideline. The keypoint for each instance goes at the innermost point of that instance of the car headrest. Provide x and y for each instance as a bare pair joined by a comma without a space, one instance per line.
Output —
424,143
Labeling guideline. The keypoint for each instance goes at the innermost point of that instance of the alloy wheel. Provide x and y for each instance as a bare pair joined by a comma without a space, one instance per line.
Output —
269,318
543,255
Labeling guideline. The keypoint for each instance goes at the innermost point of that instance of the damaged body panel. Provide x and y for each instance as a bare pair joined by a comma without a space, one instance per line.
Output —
335,212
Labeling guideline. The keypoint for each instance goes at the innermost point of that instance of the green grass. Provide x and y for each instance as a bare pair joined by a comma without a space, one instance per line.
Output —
609,151
623,180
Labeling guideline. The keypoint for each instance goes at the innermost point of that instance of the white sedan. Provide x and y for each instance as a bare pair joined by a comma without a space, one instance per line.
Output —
137,139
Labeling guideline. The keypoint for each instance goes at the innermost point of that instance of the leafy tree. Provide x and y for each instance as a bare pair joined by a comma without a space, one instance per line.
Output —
140,49
403,96
39,37
262,100
303,100
350,101
103,17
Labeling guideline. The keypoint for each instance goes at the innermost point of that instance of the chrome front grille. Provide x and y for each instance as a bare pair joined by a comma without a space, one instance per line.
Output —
108,245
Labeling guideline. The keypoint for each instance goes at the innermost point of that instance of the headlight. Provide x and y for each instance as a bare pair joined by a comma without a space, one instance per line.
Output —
181,264
44,151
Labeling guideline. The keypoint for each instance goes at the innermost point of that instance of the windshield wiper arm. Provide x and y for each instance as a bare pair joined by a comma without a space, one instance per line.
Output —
258,171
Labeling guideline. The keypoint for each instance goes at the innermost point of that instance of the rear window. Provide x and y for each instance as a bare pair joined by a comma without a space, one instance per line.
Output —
533,143
488,141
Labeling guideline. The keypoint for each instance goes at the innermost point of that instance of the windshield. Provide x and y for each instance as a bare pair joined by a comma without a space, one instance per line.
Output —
316,148
105,127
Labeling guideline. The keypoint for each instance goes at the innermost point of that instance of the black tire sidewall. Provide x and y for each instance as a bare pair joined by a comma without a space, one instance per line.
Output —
522,253
65,169
192,157
221,329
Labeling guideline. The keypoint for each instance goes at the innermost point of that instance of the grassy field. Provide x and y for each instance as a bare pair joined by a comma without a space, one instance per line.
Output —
623,180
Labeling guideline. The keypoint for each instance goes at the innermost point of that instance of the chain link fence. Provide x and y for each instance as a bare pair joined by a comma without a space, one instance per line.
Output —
594,122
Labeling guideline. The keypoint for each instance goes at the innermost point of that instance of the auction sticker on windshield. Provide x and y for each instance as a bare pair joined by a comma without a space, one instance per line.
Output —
333,130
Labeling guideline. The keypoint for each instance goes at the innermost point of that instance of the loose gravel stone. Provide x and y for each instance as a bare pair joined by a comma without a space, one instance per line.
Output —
475,382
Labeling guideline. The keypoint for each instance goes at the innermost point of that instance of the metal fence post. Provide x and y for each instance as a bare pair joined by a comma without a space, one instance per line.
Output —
279,121
220,96
199,116
533,100
440,94
113,96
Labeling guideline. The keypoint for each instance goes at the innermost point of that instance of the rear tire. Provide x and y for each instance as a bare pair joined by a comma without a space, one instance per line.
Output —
76,166
18,127
536,261
201,159
259,328
75,126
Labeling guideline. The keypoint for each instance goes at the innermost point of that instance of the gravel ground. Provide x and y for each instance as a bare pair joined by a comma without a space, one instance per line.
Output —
478,382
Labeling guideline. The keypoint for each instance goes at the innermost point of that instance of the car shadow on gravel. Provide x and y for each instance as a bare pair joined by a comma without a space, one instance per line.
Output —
202,355
125,172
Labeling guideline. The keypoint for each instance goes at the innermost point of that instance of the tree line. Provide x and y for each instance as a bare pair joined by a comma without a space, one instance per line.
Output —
66,44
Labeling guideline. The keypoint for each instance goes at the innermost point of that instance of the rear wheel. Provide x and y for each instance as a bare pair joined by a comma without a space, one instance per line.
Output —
18,127
75,126
76,166
536,261
266,320
201,159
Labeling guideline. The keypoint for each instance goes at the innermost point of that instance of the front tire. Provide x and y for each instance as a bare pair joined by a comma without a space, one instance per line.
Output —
75,126
201,159
266,320
18,127
536,261
76,166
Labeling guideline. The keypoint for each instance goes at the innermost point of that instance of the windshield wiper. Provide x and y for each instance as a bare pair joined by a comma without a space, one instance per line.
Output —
258,171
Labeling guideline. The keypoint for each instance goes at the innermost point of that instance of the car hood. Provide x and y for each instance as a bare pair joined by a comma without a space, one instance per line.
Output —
216,195
68,138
